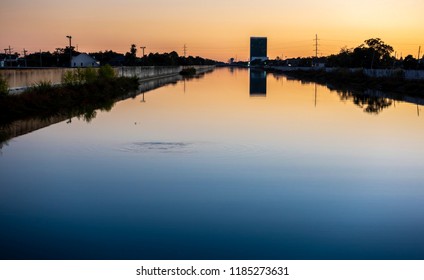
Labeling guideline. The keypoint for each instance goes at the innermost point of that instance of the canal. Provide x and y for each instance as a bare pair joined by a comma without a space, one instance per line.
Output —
231,165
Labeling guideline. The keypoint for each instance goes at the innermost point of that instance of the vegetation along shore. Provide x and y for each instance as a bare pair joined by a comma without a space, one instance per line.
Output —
357,80
81,93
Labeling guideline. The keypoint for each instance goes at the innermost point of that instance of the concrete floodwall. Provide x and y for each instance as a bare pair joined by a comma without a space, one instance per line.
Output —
19,79
375,73
387,73
149,72
414,74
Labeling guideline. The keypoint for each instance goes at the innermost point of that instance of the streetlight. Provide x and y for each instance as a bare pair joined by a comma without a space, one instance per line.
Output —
143,50
70,50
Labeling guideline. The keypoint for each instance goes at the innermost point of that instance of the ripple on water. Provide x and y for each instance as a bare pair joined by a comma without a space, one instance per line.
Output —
209,149
158,147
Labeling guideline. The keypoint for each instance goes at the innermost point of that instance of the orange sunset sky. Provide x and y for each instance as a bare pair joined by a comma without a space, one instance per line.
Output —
216,29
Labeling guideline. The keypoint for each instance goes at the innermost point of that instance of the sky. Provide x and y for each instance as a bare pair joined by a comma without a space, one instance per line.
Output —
216,29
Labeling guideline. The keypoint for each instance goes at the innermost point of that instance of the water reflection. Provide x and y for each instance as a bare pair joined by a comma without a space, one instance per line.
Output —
370,100
86,113
367,100
375,101
21,127
257,82
213,174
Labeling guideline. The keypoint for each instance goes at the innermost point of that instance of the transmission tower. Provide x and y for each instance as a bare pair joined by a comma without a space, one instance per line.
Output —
185,50
316,46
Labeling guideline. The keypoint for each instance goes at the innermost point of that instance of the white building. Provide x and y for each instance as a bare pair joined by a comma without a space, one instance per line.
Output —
84,60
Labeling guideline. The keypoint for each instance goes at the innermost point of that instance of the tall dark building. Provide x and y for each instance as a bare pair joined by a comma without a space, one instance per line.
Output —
258,48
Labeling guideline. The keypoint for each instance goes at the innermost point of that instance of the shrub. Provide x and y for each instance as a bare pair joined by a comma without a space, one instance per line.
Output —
190,71
70,78
80,76
43,86
89,75
106,72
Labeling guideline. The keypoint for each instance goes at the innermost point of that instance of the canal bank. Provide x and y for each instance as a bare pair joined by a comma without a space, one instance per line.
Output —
397,81
20,79
370,73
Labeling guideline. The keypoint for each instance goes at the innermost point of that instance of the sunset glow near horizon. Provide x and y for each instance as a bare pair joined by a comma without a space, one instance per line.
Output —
212,29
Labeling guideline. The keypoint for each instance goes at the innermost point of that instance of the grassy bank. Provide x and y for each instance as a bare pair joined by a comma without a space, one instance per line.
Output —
82,92
343,78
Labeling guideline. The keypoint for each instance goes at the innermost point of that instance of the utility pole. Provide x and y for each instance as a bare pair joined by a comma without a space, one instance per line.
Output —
142,48
10,53
5,57
41,60
25,52
70,50
419,52
185,50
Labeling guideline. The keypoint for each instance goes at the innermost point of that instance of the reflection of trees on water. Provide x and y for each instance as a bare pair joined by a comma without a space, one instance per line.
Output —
86,112
21,127
371,104
371,100
89,113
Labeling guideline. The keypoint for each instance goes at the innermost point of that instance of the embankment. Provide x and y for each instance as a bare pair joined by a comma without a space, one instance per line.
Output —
19,79
371,73
394,81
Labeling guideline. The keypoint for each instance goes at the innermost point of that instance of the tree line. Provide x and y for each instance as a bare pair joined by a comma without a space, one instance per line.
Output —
374,53
61,58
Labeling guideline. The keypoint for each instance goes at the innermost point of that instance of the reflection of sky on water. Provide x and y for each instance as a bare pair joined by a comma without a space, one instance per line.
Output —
211,173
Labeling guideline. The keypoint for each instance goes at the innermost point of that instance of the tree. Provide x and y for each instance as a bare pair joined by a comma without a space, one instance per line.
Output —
343,59
131,56
381,53
379,46
133,50
410,62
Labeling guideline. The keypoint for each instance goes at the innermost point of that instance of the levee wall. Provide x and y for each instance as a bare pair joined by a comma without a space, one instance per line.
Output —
374,73
20,79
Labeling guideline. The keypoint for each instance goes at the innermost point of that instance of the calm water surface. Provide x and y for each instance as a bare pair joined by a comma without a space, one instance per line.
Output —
230,166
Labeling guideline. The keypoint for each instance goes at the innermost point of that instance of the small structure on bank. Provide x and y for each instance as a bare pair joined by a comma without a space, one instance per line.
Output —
84,60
